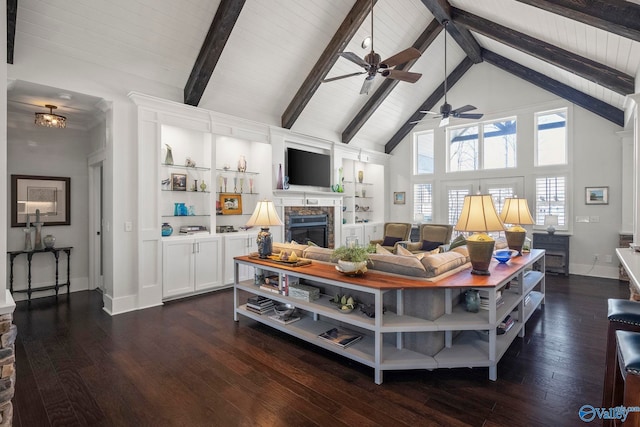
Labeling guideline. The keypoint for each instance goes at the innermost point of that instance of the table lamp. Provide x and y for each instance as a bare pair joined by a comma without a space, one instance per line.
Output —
264,215
551,220
516,212
479,216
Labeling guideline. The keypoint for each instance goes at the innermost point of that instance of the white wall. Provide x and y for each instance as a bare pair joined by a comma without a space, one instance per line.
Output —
596,161
52,152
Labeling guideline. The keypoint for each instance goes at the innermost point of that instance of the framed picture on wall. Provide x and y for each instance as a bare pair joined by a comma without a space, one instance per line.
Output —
179,182
48,197
596,195
231,204
399,197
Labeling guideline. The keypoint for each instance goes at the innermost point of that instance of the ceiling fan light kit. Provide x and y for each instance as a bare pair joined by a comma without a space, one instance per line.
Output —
373,65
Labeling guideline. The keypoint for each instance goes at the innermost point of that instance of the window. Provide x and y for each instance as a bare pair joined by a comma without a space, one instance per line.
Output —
551,199
551,138
424,152
422,202
495,140
455,202
498,194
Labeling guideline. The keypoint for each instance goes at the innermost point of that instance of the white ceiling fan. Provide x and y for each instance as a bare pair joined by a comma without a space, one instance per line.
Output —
446,111
373,65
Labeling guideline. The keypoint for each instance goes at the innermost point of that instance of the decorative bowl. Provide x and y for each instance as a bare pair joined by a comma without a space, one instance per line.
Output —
285,310
344,308
504,255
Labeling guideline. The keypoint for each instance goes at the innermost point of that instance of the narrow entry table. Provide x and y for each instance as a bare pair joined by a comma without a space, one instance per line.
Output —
56,254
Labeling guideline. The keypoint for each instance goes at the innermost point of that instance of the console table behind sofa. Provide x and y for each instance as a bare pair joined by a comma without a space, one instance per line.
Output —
470,339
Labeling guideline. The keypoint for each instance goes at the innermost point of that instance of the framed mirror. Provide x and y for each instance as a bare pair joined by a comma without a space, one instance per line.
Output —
48,195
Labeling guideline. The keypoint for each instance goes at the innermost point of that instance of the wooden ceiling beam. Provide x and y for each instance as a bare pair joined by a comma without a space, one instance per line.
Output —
429,104
603,75
615,16
341,38
212,47
596,106
12,12
422,43
441,10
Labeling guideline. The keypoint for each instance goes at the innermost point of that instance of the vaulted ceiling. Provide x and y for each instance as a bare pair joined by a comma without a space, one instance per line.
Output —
265,60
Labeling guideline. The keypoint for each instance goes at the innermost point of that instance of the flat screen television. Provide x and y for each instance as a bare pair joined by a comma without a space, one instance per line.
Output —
307,168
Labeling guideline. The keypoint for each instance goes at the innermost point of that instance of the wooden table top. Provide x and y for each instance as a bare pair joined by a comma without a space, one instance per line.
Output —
378,280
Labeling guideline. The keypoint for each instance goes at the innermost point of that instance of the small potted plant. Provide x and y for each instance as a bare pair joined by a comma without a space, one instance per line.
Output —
352,259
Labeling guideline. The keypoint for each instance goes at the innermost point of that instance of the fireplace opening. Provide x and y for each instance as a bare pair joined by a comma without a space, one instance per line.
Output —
306,228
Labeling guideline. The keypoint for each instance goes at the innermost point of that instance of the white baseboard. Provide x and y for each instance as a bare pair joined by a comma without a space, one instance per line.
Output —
604,271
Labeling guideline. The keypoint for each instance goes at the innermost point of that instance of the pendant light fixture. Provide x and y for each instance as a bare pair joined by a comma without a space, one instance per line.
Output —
50,119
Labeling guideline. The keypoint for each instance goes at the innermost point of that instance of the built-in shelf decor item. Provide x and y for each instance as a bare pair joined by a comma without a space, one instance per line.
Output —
190,163
360,176
50,119
180,209
231,204
264,216
166,184
49,241
479,215
280,183
242,164
596,195
203,186
179,182
516,212
339,187
399,197
168,160
167,229
251,185
50,195
551,221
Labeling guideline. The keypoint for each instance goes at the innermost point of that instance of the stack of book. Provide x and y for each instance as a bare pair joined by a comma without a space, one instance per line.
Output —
271,284
505,325
259,304
484,299
341,337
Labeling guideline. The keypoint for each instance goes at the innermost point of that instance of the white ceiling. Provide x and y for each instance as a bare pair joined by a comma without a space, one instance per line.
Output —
275,44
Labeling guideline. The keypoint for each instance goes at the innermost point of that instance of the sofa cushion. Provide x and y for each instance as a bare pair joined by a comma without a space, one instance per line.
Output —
277,247
390,241
317,253
462,250
437,264
397,264
429,246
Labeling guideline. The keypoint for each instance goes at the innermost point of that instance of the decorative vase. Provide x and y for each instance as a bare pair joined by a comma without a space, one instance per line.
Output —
179,209
360,176
352,267
49,240
285,186
168,160
37,244
472,300
167,229
280,184
27,239
242,164
203,186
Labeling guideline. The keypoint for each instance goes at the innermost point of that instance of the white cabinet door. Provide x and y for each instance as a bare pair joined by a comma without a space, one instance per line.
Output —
208,263
177,267
237,245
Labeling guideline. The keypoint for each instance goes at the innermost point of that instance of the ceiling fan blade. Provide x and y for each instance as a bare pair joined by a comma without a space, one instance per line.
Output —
469,115
405,76
464,109
366,86
429,112
343,77
424,119
401,57
444,121
355,59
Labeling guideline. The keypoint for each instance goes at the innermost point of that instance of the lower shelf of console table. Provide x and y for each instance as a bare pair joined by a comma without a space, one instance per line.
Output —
470,338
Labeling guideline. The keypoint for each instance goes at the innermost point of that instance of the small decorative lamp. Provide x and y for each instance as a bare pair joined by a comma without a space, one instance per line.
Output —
551,220
264,215
479,216
516,212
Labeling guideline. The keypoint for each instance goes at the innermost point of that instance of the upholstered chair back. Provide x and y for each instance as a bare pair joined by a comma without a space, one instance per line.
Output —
440,233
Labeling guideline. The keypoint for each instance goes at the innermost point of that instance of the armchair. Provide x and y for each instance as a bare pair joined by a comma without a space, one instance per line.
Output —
431,236
394,232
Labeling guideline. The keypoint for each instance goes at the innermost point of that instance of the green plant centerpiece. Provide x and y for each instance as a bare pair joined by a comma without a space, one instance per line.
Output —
352,259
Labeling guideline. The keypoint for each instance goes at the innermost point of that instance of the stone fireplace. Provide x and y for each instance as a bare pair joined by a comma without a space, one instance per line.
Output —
315,223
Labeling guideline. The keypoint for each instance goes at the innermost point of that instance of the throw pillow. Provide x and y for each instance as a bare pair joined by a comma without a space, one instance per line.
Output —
458,241
381,250
429,246
401,250
390,241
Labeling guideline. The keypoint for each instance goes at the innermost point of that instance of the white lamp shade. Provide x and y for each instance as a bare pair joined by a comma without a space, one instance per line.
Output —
264,215
516,211
479,214
551,220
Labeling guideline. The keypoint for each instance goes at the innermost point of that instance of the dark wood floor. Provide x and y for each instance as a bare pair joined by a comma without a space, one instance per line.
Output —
189,364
